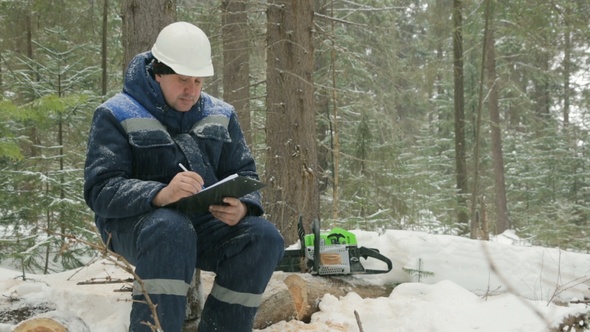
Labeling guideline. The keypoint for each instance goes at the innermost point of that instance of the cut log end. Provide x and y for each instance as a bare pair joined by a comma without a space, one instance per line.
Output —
298,289
52,321
40,325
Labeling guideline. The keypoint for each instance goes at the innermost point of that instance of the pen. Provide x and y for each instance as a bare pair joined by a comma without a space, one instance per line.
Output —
182,166
186,170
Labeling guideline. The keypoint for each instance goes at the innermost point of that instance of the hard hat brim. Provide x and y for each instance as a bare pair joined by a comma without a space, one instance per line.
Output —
205,71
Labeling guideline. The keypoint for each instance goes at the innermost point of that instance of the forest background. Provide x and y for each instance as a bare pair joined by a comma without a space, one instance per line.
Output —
447,116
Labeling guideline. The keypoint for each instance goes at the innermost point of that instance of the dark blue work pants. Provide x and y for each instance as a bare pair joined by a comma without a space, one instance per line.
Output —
165,246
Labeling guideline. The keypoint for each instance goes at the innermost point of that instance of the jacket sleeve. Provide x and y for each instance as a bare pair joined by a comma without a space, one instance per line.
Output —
109,189
237,158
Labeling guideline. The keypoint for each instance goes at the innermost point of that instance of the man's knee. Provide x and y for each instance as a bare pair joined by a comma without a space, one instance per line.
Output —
271,240
168,231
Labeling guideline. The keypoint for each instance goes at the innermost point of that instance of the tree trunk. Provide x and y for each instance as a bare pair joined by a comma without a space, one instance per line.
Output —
567,67
502,221
334,124
142,21
291,167
104,54
236,61
322,106
460,159
439,25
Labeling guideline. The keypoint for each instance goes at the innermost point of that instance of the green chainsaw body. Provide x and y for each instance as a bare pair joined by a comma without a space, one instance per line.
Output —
333,253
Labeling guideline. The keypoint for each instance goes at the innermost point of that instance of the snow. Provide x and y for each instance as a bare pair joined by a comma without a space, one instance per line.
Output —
465,285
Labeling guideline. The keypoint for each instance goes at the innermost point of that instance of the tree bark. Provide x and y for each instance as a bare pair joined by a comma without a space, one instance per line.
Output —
322,106
142,21
104,49
236,61
291,167
459,105
502,221
334,126
567,67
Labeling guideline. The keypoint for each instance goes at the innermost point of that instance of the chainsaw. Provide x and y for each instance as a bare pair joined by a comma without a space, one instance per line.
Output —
326,254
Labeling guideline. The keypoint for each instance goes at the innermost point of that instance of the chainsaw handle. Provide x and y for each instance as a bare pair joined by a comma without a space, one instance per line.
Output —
374,253
316,246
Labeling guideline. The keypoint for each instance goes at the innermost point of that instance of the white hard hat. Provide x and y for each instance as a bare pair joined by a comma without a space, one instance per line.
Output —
185,48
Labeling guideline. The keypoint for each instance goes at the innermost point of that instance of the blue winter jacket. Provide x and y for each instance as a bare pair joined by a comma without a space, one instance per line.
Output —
136,142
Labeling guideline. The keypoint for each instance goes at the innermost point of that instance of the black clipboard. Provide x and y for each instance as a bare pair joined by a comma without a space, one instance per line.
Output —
232,186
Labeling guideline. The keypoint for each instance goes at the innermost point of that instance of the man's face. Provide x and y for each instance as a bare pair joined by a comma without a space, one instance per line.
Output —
181,92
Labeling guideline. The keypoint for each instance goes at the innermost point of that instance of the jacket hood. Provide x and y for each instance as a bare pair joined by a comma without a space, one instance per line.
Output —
141,85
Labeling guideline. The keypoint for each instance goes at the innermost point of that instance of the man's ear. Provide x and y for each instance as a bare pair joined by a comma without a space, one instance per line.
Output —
158,77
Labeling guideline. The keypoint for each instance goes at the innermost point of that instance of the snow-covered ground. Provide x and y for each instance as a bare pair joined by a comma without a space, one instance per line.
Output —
465,285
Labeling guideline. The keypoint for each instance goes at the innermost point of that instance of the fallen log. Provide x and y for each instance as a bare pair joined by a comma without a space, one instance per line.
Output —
277,305
303,294
307,291
288,296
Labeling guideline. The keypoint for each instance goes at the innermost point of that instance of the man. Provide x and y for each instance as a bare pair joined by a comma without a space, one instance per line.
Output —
137,140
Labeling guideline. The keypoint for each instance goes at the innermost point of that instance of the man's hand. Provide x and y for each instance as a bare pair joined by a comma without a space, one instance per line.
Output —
231,213
182,185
